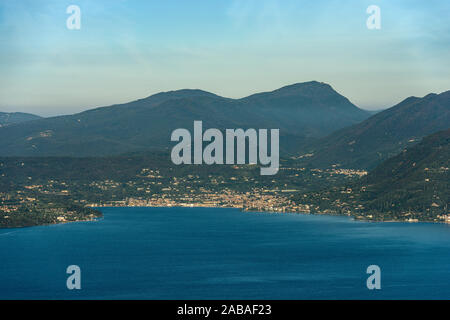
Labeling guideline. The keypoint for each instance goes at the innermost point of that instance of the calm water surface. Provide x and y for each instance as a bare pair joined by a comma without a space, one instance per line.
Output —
192,253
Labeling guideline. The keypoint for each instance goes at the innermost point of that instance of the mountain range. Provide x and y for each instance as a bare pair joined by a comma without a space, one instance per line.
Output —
318,124
302,112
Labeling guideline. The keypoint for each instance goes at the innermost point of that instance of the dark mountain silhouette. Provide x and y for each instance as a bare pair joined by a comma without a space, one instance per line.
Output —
384,134
301,111
8,118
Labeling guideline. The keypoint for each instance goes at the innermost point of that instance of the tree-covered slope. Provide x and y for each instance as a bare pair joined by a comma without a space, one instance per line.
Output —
8,118
414,185
417,180
385,134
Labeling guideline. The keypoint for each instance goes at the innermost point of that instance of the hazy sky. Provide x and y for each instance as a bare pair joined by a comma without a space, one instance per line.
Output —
130,49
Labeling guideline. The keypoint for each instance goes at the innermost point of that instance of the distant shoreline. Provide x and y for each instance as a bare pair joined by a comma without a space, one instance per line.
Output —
243,210
50,224
276,212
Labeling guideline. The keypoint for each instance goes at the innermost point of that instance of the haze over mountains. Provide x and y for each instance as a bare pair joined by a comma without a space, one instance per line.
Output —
385,134
313,119
301,112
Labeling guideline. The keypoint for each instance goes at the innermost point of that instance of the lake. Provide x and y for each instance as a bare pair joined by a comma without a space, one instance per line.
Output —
209,253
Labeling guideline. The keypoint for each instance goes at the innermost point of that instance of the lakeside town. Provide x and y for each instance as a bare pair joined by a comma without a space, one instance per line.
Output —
60,198
256,200
57,200
264,201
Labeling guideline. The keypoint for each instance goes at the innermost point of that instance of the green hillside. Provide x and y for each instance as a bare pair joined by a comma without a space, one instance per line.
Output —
383,135
8,118
416,180
412,185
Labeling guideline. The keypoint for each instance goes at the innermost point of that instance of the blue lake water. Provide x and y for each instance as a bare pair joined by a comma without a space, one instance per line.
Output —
201,253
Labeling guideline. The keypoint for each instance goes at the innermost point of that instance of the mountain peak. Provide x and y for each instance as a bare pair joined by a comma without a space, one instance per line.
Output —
312,83
180,94
307,88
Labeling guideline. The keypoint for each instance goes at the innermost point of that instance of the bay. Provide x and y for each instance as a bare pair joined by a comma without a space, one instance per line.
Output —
211,253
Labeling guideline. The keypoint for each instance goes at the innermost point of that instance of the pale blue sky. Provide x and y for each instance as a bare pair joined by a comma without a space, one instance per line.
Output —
130,49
